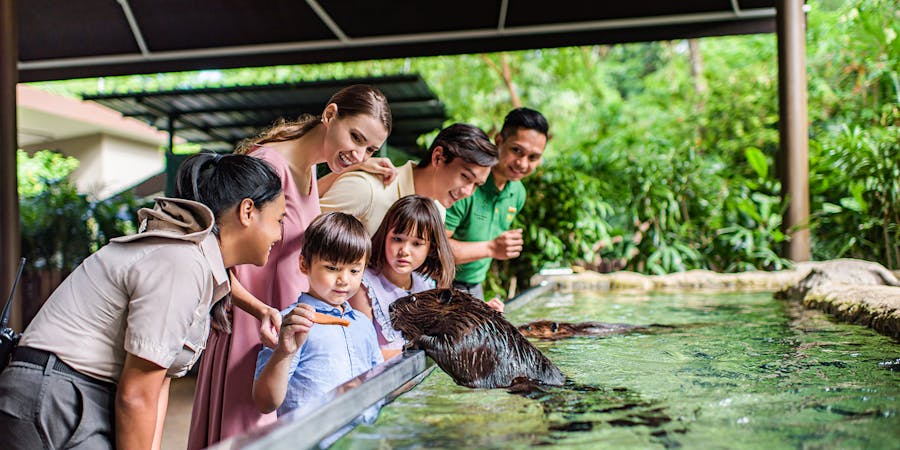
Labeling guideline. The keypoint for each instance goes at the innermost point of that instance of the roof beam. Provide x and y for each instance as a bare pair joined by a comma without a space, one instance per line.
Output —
135,29
397,109
414,38
325,17
501,21
382,82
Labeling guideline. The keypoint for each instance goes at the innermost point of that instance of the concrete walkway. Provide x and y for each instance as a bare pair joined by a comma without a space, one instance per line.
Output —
178,416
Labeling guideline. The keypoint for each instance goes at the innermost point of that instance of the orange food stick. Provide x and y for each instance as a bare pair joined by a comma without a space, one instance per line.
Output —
325,319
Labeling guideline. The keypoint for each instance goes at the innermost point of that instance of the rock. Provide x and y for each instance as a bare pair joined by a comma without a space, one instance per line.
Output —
877,307
839,271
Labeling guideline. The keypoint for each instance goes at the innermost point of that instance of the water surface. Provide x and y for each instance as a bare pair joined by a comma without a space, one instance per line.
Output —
725,371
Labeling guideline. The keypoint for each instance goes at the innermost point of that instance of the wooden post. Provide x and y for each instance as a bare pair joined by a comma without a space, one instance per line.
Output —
10,240
793,126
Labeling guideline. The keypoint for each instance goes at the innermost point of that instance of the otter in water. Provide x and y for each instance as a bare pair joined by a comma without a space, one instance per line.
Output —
471,342
549,330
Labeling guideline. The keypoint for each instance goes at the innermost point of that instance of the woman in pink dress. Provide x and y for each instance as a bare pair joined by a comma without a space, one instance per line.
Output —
354,124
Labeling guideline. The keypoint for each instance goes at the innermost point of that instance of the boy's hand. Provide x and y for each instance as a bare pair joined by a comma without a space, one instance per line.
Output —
295,328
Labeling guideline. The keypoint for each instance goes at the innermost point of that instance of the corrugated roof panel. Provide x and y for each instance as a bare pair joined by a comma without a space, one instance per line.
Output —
221,117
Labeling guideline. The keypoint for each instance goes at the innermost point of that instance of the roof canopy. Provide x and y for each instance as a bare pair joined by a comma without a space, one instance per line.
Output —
218,118
85,38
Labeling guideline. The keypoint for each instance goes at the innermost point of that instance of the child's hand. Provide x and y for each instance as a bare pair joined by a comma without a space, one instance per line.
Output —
496,304
294,328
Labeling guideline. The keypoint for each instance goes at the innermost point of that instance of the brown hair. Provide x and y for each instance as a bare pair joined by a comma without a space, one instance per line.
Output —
355,100
335,237
417,214
465,141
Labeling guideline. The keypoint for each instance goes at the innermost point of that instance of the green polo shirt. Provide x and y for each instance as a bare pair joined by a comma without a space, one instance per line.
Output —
482,217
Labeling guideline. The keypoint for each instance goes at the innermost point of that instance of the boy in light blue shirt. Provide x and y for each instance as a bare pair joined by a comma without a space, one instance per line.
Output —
313,357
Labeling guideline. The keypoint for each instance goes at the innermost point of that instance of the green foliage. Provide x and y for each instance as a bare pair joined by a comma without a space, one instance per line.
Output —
59,226
34,172
855,148
564,220
856,195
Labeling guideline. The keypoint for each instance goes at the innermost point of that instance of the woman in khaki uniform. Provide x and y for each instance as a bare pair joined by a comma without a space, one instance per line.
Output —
92,368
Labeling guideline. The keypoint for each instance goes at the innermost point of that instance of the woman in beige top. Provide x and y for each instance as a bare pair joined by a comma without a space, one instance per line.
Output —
92,368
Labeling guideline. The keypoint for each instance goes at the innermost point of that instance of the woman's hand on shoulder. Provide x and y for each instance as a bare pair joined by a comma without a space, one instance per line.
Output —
496,304
295,328
378,166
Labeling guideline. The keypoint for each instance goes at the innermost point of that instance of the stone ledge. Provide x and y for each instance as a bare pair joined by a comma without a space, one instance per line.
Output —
852,290
877,307
703,280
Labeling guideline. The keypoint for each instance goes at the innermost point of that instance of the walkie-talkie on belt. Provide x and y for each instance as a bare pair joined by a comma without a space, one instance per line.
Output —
8,337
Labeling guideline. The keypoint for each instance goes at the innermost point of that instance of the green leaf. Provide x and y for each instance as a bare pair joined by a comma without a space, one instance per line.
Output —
757,160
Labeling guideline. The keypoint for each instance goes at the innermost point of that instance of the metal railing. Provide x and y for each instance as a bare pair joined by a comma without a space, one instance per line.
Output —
528,295
307,426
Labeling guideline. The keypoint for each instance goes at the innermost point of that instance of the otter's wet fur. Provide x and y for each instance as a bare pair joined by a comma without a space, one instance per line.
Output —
551,331
471,342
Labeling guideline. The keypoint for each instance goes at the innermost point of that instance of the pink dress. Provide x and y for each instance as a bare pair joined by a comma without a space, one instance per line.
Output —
223,403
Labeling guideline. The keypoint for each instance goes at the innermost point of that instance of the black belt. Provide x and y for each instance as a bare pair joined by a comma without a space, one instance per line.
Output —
41,357
468,286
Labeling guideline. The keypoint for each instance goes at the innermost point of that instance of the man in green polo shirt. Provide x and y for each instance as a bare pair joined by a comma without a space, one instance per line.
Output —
478,226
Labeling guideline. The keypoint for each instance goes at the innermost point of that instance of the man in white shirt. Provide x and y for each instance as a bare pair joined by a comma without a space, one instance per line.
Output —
459,160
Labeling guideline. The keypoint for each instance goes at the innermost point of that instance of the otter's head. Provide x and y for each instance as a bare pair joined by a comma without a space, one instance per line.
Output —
542,329
438,312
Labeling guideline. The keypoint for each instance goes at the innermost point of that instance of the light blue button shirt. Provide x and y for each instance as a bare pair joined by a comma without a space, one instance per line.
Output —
331,355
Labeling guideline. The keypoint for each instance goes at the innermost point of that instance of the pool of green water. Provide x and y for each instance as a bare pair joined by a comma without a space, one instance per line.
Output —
725,371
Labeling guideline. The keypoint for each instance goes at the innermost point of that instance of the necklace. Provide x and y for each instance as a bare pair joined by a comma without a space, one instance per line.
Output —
405,286
402,281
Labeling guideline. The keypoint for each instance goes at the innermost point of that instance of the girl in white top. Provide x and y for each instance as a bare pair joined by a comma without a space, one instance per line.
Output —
99,355
410,253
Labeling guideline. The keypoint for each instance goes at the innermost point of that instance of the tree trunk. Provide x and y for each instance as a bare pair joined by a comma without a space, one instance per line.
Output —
505,73
697,67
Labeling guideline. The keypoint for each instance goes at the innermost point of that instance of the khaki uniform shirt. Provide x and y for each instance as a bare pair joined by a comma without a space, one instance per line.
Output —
148,294
365,196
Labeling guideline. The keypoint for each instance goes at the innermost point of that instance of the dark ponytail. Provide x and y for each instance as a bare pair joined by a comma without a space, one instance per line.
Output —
221,182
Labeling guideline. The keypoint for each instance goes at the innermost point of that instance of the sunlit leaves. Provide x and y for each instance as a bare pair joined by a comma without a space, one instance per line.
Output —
59,226
757,161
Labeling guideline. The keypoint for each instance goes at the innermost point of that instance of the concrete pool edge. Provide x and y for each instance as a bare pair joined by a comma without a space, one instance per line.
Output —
307,426
704,280
875,306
